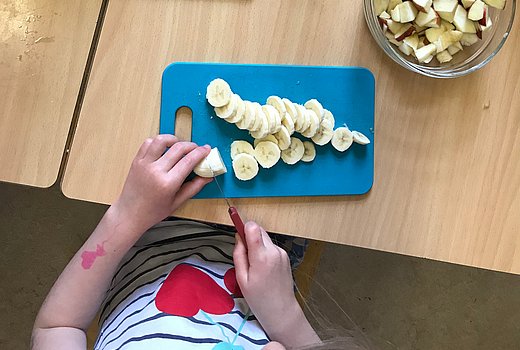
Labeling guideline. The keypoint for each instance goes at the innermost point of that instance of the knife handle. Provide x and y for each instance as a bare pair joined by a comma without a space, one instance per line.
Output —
237,221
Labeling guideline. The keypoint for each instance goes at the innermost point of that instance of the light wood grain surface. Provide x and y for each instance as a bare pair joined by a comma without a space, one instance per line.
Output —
44,46
447,170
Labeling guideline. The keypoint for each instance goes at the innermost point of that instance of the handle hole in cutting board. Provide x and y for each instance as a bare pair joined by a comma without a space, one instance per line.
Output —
183,122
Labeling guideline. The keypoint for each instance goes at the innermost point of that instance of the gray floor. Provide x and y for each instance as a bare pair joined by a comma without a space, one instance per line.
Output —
399,302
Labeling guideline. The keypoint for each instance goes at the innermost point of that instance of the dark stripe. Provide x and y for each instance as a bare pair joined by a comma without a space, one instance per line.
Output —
232,329
172,337
136,288
152,318
123,320
171,240
172,252
239,313
109,301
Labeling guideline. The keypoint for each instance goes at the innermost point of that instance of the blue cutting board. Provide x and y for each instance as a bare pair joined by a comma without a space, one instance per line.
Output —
348,92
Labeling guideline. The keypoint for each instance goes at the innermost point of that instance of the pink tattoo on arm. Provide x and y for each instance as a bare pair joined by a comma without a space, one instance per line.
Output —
89,256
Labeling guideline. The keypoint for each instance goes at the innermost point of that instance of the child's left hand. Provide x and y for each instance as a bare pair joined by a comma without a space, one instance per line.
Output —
155,185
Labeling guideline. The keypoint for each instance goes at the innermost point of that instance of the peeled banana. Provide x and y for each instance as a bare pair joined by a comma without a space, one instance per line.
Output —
211,166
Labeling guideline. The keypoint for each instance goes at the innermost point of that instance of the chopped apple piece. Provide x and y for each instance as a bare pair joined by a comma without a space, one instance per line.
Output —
425,52
487,26
405,32
396,14
394,27
423,5
498,4
445,9
429,59
467,3
433,34
477,11
407,12
444,57
412,41
447,25
391,38
423,18
404,48
392,4
462,22
454,48
446,39
380,6
485,19
436,23
385,15
469,39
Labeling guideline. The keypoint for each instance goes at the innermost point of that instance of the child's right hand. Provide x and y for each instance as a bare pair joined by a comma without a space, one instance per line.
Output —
155,186
264,275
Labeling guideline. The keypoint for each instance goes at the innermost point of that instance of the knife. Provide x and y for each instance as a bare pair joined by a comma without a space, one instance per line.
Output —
233,212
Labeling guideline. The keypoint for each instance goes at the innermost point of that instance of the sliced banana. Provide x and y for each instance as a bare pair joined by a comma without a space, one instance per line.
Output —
314,124
315,106
267,154
228,110
360,138
283,138
300,117
271,138
309,153
277,103
248,120
239,114
288,123
327,115
218,93
258,121
291,109
275,121
263,128
294,153
324,133
342,139
245,167
211,166
239,147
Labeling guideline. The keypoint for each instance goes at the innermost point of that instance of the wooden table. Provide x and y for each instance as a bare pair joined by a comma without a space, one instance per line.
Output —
44,45
447,169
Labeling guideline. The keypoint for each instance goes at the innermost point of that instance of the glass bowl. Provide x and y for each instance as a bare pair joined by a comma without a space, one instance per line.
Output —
465,62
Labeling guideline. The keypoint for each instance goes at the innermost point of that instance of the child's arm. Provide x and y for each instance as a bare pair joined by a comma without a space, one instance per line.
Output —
264,275
154,189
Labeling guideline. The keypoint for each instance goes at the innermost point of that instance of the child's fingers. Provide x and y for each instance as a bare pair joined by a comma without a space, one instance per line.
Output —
254,240
190,189
265,238
158,146
185,166
144,148
241,261
175,153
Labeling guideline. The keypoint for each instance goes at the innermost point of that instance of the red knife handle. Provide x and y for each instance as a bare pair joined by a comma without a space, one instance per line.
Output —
237,221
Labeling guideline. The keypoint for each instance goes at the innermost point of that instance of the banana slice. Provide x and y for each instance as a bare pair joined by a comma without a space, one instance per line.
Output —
228,110
309,153
300,118
324,133
258,121
314,124
288,123
263,129
271,138
239,114
267,154
248,120
211,166
294,153
360,138
327,115
239,147
218,93
342,139
245,167
275,121
277,103
315,106
291,110
283,138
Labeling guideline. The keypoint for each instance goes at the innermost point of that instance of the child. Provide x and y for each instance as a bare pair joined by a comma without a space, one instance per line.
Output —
178,284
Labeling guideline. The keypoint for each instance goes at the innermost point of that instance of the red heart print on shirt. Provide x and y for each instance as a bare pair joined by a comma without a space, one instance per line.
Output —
230,280
187,290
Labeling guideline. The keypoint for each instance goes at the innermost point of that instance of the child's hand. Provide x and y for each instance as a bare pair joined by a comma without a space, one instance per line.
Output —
264,275
155,186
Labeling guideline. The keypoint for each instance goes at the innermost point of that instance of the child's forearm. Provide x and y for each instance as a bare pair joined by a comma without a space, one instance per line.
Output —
77,294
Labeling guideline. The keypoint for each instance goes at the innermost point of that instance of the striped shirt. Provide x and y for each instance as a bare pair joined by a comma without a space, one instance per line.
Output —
176,289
